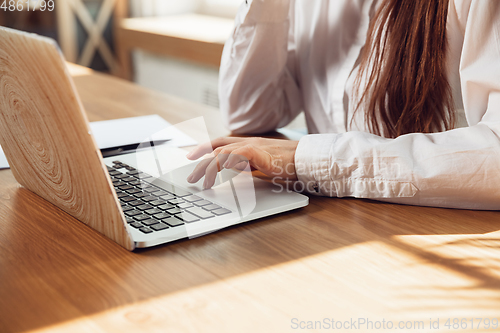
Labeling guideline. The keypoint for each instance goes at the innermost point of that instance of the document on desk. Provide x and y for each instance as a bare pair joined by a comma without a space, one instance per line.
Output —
127,131
3,160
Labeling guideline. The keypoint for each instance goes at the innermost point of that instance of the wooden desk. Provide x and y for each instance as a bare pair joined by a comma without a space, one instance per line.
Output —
336,258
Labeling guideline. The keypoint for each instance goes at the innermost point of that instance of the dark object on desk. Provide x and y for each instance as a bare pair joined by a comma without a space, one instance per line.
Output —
127,149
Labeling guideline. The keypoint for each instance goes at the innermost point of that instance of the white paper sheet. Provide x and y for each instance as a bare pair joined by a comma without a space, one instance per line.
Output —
125,131
3,160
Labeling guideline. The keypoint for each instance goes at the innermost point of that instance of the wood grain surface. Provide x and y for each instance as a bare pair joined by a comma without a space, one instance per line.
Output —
46,138
336,258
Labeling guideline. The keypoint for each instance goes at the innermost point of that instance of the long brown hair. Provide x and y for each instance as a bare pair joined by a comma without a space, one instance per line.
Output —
404,63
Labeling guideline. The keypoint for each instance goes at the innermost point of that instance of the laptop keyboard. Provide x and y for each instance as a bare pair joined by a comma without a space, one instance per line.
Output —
150,208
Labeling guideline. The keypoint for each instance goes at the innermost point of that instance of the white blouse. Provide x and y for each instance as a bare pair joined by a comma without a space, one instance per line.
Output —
288,56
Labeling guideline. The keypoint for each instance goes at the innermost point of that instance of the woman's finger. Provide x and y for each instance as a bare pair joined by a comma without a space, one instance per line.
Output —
259,158
199,170
213,169
241,166
209,147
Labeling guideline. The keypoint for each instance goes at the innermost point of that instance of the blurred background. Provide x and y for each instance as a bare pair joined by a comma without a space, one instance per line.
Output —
173,46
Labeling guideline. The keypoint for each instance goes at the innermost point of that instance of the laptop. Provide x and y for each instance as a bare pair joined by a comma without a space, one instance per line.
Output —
138,200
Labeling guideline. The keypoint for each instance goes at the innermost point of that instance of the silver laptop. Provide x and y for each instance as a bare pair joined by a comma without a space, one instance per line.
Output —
139,199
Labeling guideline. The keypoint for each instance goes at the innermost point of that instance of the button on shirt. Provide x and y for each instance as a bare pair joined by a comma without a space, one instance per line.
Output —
289,56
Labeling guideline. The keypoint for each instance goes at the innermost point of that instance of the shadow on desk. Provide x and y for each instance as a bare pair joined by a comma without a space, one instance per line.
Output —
55,269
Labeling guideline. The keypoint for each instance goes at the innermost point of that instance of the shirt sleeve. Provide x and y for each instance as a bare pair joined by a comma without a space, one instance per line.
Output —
455,169
257,87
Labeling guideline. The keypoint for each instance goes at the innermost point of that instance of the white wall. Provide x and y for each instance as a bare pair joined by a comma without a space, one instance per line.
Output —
177,77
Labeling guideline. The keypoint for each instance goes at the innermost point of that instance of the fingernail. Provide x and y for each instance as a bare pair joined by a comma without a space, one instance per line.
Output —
189,155
190,178
226,165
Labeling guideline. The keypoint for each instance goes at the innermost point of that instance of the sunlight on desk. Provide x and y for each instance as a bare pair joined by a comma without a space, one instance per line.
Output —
403,285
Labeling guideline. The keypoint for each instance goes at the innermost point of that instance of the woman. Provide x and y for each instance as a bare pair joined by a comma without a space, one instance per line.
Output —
403,98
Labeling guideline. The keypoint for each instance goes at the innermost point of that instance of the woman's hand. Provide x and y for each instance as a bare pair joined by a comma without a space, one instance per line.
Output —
273,157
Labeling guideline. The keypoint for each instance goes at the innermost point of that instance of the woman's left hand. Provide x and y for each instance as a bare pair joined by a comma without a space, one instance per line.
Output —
273,157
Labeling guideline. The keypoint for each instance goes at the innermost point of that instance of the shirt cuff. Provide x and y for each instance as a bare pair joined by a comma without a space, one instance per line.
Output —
313,164
264,11
334,165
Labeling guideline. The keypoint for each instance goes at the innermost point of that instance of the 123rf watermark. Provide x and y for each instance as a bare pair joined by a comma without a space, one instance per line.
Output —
27,5
367,325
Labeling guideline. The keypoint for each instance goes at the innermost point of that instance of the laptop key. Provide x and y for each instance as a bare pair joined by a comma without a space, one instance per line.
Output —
176,201
200,212
146,230
132,172
129,168
140,195
144,207
173,221
174,211
122,195
186,217
181,193
211,207
122,176
137,225
202,203
149,198
127,208
129,219
185,205
127,198
133,191
160,193
150,189
115,173
192,198
167,197
123,204
135,183
161,216
142,217
157,202
136,203
153,211
133,212
221,211
125,187
128,179
166,206
150,222
159,226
